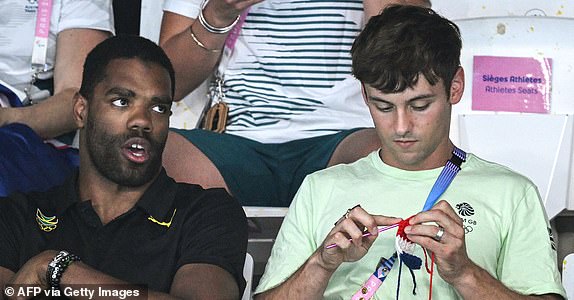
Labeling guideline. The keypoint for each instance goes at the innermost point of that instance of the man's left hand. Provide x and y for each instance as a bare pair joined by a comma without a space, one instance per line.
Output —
446,240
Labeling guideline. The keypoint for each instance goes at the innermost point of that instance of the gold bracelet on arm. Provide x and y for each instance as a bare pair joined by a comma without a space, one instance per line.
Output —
200,44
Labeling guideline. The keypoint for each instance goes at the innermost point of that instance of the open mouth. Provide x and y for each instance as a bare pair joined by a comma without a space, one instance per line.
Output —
136,150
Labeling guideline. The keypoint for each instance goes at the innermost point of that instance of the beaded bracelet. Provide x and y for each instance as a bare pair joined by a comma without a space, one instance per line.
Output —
211,28
57,266
200,44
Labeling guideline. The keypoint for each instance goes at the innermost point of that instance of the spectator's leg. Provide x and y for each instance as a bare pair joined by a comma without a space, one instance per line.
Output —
186,163
355,146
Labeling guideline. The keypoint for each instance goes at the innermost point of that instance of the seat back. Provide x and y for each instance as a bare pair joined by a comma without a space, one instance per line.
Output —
248,275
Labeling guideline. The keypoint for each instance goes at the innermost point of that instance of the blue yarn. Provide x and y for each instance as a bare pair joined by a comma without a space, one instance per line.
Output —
411,261
414,281
399,279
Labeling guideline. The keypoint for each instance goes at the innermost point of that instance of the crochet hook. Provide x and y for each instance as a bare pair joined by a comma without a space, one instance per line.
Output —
366,234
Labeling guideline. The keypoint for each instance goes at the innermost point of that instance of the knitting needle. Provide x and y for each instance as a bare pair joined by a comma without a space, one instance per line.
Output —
366,234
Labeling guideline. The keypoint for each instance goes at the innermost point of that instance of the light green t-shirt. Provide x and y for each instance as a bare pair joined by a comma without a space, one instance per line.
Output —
507,230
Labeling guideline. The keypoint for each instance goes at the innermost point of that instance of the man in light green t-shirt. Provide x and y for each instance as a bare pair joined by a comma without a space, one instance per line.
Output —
489,238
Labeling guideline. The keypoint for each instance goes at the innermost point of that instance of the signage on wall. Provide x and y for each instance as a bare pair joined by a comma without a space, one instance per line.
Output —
512,84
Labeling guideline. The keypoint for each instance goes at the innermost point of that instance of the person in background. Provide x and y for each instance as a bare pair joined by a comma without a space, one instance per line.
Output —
489,235
33,111
120,219
283,70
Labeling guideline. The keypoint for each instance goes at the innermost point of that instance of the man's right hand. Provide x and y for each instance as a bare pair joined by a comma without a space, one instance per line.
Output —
348,236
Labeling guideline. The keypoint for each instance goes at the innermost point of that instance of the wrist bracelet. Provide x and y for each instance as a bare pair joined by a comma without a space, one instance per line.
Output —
57,266
211,28
200,44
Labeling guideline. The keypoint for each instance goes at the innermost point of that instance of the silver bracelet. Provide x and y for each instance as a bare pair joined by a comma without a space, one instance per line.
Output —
211,28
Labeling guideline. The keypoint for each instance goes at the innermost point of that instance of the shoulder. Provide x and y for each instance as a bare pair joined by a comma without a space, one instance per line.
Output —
488,171
192,194
30,201
344,172
13,203
333,184
206,203
189,199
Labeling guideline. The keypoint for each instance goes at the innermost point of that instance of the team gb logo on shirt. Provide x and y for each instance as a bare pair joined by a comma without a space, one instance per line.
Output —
466,211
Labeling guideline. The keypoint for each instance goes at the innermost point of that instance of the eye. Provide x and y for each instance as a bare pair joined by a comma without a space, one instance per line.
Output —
420,106
162,109
384,108
120,102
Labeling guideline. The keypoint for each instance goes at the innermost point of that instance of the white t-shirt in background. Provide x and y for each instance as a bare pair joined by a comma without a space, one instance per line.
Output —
289,76
18,22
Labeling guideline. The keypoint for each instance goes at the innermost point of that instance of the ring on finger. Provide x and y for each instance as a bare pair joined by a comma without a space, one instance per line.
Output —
346,215
439,234
350,209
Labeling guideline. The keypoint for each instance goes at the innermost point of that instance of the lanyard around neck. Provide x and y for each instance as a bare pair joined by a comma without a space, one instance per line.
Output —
449,171
39,50
446,176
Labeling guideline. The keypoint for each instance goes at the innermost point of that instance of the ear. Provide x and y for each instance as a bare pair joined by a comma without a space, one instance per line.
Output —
80,110
457,86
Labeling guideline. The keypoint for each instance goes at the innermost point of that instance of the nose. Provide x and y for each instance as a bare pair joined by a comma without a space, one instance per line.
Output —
140,119
402,123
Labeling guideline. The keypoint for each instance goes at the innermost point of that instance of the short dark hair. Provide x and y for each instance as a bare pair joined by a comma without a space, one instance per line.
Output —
403,42
117,47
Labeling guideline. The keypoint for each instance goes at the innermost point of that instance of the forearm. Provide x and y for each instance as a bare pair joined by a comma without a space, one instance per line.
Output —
309,282
192,63
479,284
49,118
79,275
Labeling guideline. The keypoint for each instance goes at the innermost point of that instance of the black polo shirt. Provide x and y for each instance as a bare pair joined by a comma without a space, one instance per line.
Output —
173,224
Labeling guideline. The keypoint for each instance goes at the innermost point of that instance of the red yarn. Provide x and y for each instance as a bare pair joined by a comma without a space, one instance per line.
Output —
431,273
401,230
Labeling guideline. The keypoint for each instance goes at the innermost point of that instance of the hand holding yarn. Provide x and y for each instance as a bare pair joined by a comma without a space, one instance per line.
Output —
450,249
353,235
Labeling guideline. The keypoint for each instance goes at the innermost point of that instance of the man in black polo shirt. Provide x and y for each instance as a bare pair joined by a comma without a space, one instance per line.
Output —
121,219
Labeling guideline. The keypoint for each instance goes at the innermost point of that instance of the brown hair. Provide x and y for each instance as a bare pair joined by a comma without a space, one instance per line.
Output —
403,42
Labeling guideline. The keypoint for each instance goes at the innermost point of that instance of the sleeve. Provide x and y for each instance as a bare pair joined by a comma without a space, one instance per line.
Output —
187,8
92,14
216,233
527,262
295,242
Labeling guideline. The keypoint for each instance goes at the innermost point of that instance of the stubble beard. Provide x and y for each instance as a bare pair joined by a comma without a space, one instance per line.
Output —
105,154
